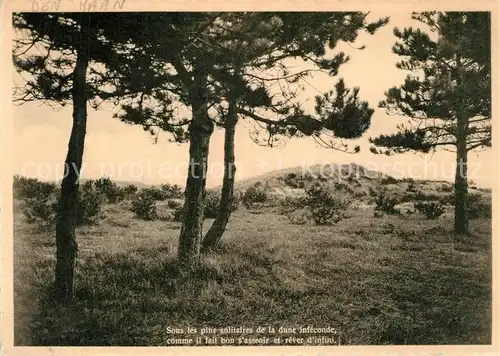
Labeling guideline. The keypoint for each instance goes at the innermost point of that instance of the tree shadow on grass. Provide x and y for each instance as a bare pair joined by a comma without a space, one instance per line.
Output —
118,297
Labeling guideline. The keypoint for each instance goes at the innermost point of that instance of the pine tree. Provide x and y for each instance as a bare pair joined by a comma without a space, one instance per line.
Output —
447,99
60,56
257,49
219,67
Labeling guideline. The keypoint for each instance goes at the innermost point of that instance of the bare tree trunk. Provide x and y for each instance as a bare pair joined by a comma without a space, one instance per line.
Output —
461,188
65,226
218,227
200,130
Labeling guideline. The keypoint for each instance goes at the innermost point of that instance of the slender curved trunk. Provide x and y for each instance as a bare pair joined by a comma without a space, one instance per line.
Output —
66,221
200,130
461,188
218,227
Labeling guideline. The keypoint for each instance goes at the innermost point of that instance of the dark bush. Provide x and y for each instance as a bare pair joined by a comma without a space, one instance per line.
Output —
212,201
90,200
290,204
343,187
174,203
110,190
411,187
388,180
171,191
324,206
26,188
254,194
372,192
447,188
478,206
385,202
408,180
42,210
144,206
431,209
156,194
291,180
359,194
130,189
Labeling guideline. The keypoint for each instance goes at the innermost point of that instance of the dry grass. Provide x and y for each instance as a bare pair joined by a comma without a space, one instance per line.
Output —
395,280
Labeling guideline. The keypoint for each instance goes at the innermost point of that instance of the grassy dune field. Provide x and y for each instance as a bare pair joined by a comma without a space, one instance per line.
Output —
397,279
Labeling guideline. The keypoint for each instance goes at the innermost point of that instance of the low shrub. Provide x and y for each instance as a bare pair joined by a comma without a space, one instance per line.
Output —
412,188
359,194
254,194
130,189
478,206
388,180
385,202
90,201
110,190
325,207
212,201
372,192
446,188
292,180
144,206
157,194
174,203
43,210
431,209
290,204
28,188
171,191
343,187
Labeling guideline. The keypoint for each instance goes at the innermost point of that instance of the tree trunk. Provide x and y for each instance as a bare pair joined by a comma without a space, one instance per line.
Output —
200,130
461,189
65,226
218,227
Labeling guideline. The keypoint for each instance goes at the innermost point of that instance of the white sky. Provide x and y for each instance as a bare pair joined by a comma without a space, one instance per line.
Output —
126,152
